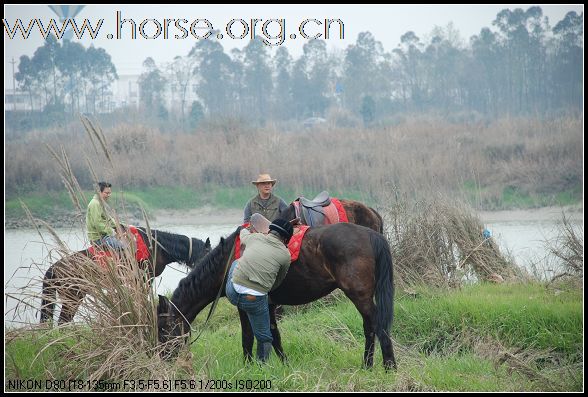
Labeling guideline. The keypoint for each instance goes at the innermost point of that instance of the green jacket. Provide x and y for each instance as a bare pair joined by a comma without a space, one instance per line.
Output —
264,263
98,222
269,208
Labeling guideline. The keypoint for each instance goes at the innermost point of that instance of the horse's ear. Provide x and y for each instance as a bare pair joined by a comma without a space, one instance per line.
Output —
163,305
207,243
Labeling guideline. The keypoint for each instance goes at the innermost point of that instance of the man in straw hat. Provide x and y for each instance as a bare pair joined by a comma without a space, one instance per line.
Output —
265,203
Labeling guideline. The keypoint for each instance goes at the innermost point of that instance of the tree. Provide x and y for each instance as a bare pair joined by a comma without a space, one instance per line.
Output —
28,78
151,87
444,61
411,74
568,61
182,74
217,86
196,113
364,72
310,80
283,101
257,80
521,35
99,74
368,110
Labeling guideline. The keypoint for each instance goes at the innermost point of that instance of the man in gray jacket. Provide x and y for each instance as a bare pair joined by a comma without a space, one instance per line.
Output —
261,268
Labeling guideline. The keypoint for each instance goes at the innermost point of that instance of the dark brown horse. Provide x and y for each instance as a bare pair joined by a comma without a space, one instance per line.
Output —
350,257
357,213
165,247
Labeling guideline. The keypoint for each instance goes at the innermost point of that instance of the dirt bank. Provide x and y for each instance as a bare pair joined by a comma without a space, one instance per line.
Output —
200,216
209,215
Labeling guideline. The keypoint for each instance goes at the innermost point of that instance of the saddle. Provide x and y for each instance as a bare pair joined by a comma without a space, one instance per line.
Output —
318,211
101,254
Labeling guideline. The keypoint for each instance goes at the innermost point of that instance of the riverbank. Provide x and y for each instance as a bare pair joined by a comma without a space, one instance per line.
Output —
200,216
208,215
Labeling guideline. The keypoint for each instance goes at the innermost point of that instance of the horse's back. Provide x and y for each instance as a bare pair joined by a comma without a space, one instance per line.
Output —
331,257
360,214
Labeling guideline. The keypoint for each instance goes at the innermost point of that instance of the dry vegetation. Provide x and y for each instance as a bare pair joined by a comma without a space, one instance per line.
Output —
417,157
568,250
119,324
440,243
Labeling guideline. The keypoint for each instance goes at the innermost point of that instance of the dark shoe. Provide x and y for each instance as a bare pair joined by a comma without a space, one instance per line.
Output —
263,351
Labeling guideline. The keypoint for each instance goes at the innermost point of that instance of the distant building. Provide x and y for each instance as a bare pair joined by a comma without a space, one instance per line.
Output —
18,100
125,91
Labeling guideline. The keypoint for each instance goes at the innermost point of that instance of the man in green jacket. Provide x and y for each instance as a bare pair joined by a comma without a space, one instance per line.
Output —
265,203
261,268
101,226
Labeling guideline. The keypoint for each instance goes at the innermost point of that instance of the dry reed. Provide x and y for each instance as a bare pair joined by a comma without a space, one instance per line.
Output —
440,243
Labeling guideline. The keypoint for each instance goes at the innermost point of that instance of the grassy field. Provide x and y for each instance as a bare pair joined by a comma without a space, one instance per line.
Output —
483,337
52,206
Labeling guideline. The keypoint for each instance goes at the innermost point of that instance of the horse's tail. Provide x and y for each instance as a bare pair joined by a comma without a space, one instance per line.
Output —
377,214
384,284
48,296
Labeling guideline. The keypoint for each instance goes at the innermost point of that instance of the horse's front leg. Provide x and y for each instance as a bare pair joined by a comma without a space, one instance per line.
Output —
69,306
277,339
246,336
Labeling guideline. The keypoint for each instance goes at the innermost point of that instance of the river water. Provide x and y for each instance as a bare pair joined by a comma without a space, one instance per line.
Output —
27,255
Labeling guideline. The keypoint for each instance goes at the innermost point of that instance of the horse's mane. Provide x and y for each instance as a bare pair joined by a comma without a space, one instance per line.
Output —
200,281
176,245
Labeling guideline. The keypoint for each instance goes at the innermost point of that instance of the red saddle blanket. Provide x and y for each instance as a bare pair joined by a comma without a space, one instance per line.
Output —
101,256
293,246
340,210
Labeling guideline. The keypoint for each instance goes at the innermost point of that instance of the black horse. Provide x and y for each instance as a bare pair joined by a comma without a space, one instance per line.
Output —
350,257
357,213
164,247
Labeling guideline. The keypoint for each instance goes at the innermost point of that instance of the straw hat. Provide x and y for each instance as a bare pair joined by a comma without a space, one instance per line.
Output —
264,178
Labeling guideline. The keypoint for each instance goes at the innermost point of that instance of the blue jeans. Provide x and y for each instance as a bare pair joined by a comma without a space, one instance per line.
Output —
110,241
256,307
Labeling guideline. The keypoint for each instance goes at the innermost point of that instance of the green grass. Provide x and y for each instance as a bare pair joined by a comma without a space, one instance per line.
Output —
50,204
513,197
40,204
444,341
529,318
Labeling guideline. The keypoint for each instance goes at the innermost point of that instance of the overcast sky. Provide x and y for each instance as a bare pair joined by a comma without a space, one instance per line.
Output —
386,22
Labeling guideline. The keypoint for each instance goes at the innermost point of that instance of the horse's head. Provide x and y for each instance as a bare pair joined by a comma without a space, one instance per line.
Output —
207,248
290,214
172,328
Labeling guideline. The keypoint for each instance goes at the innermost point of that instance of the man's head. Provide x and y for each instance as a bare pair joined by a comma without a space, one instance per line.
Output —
264,184
283,228
105,190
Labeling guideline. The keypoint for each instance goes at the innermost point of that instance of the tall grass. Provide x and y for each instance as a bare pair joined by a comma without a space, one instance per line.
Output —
509,162
568,250
439,242
115,333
